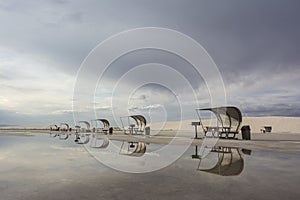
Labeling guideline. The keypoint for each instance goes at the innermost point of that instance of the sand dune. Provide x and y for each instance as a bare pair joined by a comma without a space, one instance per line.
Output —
279,124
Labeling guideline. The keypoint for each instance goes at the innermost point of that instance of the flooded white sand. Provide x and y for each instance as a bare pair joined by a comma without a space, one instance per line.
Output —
40,167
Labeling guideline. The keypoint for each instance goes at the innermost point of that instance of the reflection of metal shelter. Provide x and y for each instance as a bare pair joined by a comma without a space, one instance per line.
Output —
95,144
77,129
83,129
53,130
82,138
137,128
228,117
136,149
97,128
229,163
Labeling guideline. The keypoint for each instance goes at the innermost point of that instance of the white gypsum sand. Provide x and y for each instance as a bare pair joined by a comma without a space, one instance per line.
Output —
279,124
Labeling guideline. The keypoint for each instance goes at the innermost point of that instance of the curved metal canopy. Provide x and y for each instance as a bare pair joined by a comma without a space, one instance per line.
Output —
53,127
227,115
53,130
105,123
140,121
86,123
66,127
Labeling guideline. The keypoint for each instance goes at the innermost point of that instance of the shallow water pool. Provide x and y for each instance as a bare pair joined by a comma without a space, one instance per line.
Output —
41,167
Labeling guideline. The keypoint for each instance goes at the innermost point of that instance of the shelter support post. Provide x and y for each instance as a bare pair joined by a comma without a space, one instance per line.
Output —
196,132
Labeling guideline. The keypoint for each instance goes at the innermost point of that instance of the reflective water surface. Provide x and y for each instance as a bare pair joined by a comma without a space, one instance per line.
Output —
40,167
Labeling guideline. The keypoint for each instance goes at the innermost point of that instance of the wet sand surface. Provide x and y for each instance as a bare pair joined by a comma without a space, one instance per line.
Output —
286,142
270,141
40,167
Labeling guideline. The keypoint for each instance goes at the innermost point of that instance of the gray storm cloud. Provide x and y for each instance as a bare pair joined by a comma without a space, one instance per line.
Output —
255,45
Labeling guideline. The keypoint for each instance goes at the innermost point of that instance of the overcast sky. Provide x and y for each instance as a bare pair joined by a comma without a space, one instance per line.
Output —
255,45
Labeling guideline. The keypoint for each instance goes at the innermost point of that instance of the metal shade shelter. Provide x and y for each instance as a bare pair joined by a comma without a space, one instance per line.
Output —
138,127
53,127
63,129
77,129
53,130
230,162
229,117
83,129
105,124
84,126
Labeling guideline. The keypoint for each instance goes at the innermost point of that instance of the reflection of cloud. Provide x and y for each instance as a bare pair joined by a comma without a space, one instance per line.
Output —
2,157
48,153
5,154
76,149
152,154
